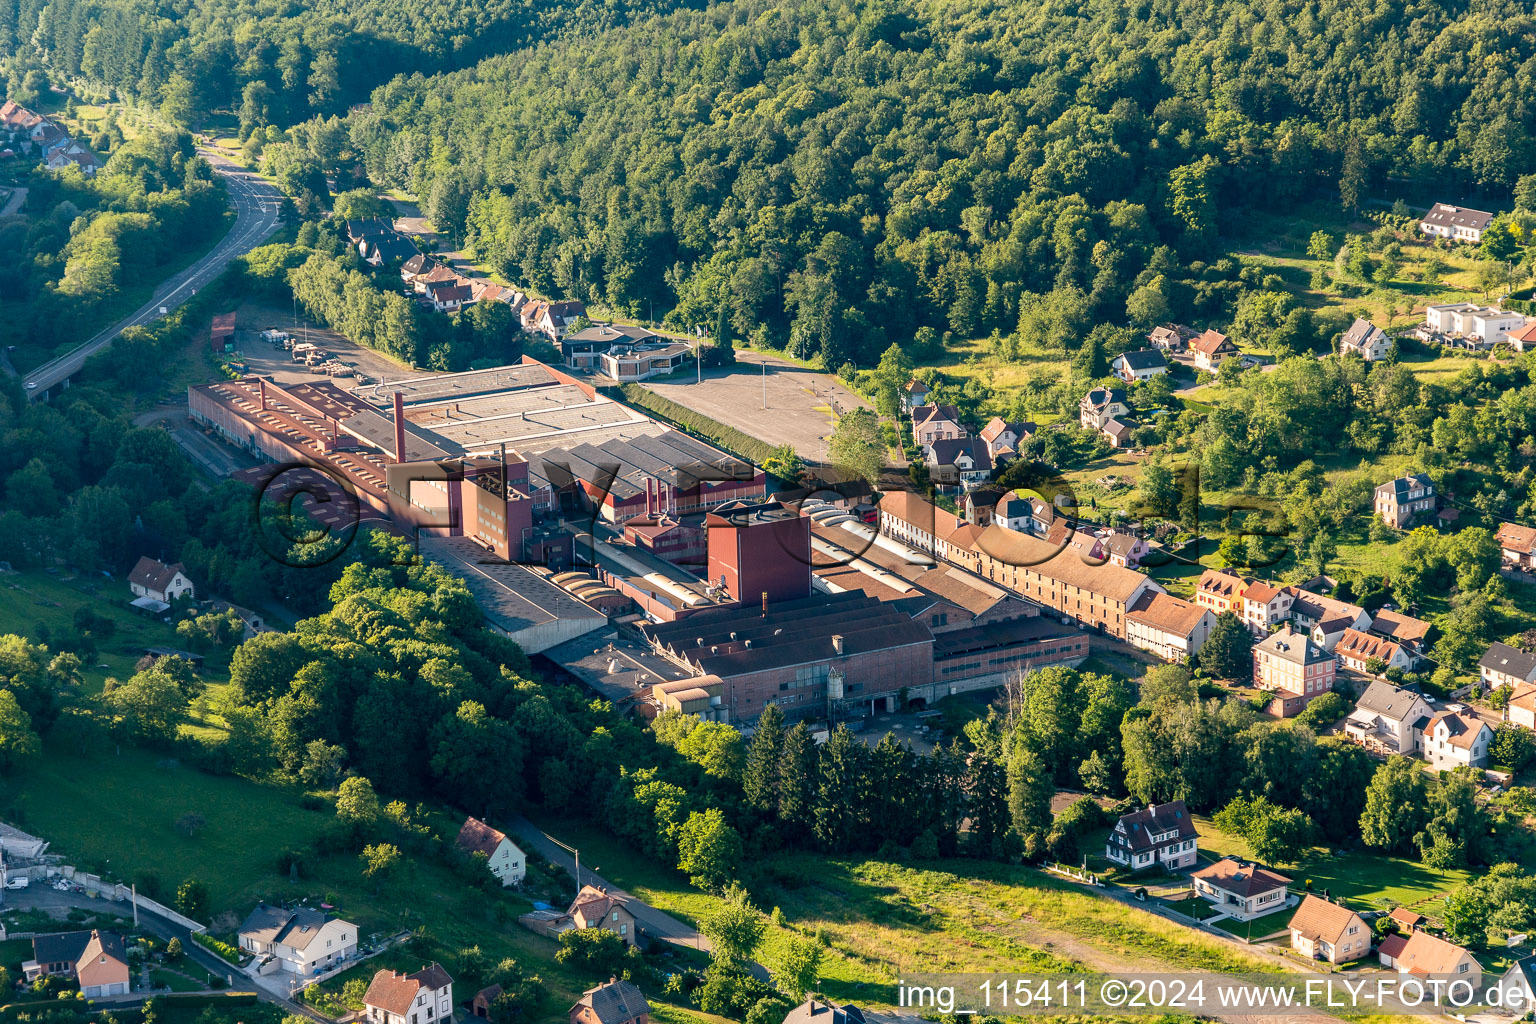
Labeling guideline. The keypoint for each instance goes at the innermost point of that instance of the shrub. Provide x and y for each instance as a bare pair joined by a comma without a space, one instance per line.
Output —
218,946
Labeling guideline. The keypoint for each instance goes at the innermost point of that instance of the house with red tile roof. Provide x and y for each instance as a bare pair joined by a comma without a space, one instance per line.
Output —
1457,739
1518,545
157,581
1167,626
423,997
1241,891
1328,931
596,907
1356,650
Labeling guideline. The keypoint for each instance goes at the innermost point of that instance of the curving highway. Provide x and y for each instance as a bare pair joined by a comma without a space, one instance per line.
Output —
258,211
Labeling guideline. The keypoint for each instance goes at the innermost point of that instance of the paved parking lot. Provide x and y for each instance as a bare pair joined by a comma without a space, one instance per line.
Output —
797,409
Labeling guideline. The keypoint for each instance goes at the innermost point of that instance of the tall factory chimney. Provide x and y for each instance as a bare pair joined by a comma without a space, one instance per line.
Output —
399,426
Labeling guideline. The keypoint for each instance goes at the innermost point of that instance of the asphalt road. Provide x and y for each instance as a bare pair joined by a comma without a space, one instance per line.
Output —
258,211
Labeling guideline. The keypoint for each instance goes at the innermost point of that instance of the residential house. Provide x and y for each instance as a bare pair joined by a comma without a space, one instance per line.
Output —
157,581
1221,590
1211,349
816,1010
1410,634
440,273
364,228
449,296
1162,834
102,969
1264,606
296,941
1406,919
416,266
1125,549
1398,501
1356,650
1522,706
1118,432
1471,325
613,1002
1171,337
1388,719
1101,405
1503,665
1292,667
551,319
1519,983
1141,364
391,248
914,394
1456,739
96,961
1456,222
506,861
1365,340
1013,512
1518,546
980,503
1003,438
1327,931
962,462
1426,955
1096,596
1522,339
1241,891
422,997
596,907
1167,626
1327,618
921,525
932,423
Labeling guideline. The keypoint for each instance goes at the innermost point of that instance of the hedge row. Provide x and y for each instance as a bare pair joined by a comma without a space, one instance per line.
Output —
729,438
219,946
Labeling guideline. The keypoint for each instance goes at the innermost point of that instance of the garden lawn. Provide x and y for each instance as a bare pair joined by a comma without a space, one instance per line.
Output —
1259,926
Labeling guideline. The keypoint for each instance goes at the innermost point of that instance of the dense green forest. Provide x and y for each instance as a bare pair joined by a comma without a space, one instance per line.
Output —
85,240
275,62
837,175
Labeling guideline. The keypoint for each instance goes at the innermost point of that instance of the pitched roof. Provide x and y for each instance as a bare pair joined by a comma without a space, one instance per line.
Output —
475,836
1210,342
917,387
948,449
614,1002
1223,583
1262,592
1167,613
297,927
1524,697
1400,487
1388,701
1319,919
1011,547
1157,819
1523,334
1392,946
1514,537
1361,334
820,1011
1462,729
395,992
1405,917
1232,875
1424,953
1323,609
594,902
59,947
923,414
153,574
1364,647
1501,657
1447,216
1401,628
1143,359
103,960
1098,398
1289,645
997,426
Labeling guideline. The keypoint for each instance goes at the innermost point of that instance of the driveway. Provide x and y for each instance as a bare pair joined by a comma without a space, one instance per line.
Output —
655,922
14,203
